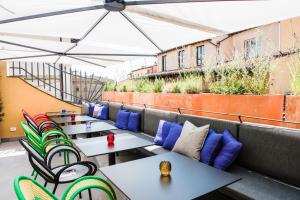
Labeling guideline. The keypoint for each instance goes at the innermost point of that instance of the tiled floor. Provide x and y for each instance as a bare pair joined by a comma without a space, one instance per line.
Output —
14,162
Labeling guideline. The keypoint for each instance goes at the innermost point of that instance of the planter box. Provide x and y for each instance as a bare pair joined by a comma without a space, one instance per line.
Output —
293,110
265,106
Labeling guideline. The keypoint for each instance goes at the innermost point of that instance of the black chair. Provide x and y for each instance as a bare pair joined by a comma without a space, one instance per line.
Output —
62,173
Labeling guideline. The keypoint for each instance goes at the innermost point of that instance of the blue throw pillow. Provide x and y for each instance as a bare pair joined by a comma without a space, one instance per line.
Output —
158,140
122,119
229,151
134,122
103,113
210,147
91,109
173,135
166,129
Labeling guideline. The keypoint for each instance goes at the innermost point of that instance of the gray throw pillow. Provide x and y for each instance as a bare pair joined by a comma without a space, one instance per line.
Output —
85,108
191,140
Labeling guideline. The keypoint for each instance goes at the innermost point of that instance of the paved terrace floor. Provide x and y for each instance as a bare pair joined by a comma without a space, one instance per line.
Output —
14,162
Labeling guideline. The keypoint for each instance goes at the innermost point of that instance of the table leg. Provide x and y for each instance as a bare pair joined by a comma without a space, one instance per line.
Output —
74,137
111,158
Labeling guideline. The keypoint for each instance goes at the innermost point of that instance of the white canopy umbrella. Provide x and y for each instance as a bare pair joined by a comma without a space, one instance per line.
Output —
109,32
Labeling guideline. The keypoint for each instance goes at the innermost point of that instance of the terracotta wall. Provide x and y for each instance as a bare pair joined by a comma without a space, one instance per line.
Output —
270,106
293,110
16,95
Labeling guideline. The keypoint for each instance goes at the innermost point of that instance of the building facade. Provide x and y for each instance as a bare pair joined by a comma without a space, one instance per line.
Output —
271,39
277,40
142,72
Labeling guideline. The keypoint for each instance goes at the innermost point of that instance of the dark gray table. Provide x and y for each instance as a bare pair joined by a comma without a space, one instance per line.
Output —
60,114
79,118
140,179
96,127
96,146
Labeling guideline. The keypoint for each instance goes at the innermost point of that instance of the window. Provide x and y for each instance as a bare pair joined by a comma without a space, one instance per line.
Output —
181,58
250,48
200,56
164,63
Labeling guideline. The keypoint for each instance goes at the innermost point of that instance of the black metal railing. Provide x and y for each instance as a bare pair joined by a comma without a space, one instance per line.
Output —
60,81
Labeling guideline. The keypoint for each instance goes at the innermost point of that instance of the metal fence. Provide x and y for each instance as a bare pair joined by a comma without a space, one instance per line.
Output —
59,80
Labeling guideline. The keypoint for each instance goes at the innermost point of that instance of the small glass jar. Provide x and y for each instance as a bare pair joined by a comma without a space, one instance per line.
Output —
110,138
165,168
88,124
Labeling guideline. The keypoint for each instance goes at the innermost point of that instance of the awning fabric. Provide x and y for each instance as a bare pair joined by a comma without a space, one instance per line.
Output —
99,37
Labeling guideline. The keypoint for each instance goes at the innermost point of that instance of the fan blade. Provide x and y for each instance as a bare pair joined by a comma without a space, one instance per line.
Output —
55,13
173,20
145,2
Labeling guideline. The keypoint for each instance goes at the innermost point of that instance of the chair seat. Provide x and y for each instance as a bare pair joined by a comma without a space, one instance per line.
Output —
72,173
257,186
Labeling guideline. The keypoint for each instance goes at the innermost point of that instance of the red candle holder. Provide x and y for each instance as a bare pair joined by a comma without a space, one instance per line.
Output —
110,139
73,117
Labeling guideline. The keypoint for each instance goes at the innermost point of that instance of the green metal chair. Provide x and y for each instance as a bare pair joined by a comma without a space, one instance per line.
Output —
87,183
43,144
29,189
47,141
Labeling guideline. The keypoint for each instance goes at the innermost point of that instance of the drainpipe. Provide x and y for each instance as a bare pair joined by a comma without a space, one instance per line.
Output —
61,82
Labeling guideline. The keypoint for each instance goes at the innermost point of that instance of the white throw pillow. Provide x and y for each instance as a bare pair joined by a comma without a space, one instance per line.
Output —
96,110
191,140
85,108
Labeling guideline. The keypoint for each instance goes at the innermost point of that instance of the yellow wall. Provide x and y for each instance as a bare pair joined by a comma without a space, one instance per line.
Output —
16,95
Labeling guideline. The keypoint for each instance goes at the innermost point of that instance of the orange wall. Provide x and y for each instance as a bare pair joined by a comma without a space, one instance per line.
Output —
16,95
269,106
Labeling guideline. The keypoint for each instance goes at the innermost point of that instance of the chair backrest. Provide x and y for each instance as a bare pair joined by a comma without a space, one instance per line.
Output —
37,162
33,138
26,188
30,121
88,182
62,148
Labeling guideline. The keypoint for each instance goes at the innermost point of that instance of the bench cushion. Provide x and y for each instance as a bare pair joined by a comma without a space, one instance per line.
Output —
113,110
152,118
136,109
257,186
216,124
271,150
156,150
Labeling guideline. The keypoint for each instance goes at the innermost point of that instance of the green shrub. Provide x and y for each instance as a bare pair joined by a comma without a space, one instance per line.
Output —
240,76
192,83
143,85
110,86
175,88
158,85
295,74
125,86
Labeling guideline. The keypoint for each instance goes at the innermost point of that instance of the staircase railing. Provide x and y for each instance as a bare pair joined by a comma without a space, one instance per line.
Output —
59,80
